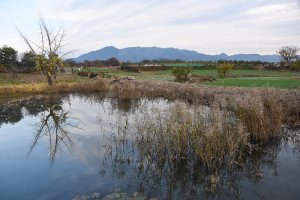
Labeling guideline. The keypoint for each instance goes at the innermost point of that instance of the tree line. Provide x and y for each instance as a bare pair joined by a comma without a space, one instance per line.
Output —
95,63
26,62
11,62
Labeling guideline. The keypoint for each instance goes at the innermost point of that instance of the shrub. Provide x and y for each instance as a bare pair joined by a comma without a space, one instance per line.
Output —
224,68
296,65
2,68
181,73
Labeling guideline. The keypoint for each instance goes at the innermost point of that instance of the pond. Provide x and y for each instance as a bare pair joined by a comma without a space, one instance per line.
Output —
99,147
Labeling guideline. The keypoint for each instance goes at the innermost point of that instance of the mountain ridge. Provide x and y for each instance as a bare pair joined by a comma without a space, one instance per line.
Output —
137,54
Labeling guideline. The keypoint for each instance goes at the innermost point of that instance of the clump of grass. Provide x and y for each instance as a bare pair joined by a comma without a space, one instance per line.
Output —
214,136
210,137
263,110
167,90
291,111
261,116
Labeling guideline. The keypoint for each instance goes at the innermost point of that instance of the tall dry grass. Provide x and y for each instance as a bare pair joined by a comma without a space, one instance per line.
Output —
214,136
43,88
260,114
238,120
263,110
210,137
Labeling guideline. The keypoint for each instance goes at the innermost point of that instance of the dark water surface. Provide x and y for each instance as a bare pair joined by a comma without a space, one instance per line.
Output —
60,147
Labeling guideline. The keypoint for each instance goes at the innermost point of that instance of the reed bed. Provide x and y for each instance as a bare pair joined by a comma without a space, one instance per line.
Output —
263,110
212,136
233,121
43,88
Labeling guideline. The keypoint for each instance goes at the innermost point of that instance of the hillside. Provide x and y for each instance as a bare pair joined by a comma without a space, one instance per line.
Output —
136,54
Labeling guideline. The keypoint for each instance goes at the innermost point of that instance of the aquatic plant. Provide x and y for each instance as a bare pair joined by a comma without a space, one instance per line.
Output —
201,134
194,150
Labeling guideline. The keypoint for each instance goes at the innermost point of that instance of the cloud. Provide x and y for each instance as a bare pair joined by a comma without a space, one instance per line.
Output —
232,26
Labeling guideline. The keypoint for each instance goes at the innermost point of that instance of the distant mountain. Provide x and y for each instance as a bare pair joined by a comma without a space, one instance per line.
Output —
136,54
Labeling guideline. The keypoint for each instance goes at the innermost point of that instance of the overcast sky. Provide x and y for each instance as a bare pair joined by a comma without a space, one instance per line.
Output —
211,27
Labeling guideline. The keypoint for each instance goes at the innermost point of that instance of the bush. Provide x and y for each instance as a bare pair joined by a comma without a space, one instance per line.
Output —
224,68
181,73
296,65
2,68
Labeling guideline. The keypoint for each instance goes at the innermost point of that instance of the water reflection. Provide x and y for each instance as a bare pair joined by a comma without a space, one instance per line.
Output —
54,124
125,105
171,178
10,113
152,167
13,112
119,155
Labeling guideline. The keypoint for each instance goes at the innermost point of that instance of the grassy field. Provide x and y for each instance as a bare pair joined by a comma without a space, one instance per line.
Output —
206,72
277,82
7,79
239,78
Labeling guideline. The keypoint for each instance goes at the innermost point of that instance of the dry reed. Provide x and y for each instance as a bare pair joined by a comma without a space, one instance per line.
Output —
43,88
263,110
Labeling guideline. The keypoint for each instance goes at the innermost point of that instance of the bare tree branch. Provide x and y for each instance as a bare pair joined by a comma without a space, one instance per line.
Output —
49,49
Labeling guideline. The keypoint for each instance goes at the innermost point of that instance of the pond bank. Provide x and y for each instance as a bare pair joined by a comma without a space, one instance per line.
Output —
287,101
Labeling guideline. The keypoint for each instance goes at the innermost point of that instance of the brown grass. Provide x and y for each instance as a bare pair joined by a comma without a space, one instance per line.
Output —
7,91
262,110
215,136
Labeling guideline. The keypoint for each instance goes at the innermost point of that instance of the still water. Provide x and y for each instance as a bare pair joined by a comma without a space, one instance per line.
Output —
62,147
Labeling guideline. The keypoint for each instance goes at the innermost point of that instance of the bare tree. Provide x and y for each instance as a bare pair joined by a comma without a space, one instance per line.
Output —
48,55
288,53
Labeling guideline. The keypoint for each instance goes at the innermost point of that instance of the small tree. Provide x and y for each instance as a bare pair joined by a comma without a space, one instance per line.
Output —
2,68
224,69
296,65
288,54
48,50
28,60
181,73
113,62
8,57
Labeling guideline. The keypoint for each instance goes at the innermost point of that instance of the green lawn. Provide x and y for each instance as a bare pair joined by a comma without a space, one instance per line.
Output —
261,78
204,72
264,73
277,82
241,78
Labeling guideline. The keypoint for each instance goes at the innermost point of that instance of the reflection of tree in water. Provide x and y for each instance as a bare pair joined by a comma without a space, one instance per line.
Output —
155,171
10,113
54,124
294,137
125,105
93,98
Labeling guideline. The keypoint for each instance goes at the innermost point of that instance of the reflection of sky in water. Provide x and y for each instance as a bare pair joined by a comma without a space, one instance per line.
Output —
75,172
80,171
